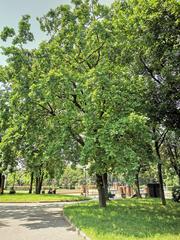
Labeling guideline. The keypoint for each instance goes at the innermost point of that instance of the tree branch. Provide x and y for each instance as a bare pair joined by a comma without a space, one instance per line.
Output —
76,103
75,99
162,137
96,50
149,70
77,137
50,111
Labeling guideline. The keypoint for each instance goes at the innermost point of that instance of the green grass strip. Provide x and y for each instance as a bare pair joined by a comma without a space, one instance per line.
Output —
24,197
127,219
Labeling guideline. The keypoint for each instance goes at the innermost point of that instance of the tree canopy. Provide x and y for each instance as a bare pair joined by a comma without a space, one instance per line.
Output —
93,91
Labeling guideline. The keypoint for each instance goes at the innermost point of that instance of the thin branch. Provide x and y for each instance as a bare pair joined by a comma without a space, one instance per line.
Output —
76,103
149,70
77,137
162,138
89,65
170,152
52,111
47,109
60,97
98,58
96,50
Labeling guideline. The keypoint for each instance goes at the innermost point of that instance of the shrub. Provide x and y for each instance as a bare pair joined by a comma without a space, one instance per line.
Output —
176,193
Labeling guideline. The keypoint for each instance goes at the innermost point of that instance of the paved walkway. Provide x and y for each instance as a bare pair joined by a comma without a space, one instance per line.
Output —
34,221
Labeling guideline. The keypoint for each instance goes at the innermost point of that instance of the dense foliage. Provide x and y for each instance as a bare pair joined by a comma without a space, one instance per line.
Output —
102,91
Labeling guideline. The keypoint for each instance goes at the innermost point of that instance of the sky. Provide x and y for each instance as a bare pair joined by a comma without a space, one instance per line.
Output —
12,10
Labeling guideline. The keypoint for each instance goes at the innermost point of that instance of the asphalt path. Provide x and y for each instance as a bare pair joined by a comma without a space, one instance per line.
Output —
34,221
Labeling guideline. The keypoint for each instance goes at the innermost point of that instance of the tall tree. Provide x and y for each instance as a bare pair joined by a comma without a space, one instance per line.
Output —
149,30
83,103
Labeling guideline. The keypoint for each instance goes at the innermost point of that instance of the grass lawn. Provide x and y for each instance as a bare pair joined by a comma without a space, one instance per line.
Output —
127,219
25,197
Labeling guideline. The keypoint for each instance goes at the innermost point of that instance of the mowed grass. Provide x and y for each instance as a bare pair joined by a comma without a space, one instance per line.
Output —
127,219
25,197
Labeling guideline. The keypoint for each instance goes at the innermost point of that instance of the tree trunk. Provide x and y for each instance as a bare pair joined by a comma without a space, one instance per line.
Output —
31,183
37,185
101,190
14,180
105,184
137,184
2,182
159,167
39,181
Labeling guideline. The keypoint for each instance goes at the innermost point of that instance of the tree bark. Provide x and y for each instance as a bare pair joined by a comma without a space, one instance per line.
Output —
159,167
105,184
39,181
31,183
38,190
37,185
101,191
137,184
2,182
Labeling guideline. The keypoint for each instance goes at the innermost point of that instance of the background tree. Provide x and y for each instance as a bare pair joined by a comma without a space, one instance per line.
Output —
149,30
71,177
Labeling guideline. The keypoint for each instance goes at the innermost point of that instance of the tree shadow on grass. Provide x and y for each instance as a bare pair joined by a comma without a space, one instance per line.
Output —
34,217
130,218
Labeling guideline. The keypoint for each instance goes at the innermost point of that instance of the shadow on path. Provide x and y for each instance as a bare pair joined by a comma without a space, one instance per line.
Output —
33,217
3,224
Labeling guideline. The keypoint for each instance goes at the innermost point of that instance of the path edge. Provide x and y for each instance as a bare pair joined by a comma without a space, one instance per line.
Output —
79,232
